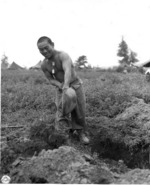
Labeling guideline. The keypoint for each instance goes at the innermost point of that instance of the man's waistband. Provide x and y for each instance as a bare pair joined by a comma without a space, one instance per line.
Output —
76,83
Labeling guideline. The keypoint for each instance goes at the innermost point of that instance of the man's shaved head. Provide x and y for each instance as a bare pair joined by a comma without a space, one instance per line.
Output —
44,38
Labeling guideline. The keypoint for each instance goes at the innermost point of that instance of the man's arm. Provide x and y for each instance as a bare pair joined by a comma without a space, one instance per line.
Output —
66,64
49,77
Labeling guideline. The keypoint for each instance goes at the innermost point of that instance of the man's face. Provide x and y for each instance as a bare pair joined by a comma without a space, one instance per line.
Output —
45,48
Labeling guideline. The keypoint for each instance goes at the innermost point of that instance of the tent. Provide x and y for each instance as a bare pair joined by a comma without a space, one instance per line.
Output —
15,66
142,64
37,66
145,65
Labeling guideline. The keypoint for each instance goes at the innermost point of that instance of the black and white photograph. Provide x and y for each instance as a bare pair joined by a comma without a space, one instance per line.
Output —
75,91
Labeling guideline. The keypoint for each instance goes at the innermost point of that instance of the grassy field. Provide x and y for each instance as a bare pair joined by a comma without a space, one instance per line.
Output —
26,97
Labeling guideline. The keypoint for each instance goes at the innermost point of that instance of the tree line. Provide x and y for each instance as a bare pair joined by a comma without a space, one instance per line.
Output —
126,55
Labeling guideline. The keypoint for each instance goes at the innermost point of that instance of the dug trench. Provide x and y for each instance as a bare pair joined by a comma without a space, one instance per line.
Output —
108,147
125,137
122,143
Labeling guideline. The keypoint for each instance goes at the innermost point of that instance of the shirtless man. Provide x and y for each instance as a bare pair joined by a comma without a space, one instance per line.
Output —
59,70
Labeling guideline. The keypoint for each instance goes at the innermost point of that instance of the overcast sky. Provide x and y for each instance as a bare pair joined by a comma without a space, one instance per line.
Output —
79,27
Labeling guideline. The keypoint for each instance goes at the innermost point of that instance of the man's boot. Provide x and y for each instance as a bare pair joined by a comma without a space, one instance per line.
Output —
83,138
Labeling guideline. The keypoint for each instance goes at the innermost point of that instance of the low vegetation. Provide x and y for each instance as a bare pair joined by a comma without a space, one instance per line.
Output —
27,99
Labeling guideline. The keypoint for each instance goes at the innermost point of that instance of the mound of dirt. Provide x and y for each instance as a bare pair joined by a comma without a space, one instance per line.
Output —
36,160
127,135
136,176
139,111
62,165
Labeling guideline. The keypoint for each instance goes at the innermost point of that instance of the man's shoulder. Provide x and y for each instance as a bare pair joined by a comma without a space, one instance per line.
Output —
62,54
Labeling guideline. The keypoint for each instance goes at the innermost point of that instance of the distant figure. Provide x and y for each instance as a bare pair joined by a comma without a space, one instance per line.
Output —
70,99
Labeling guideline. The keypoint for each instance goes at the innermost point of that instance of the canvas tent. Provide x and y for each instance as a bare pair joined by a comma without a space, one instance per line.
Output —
143,64
146,64
37,66
14,66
